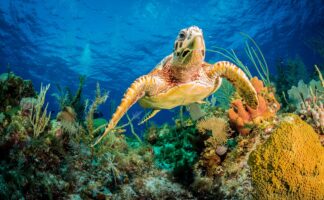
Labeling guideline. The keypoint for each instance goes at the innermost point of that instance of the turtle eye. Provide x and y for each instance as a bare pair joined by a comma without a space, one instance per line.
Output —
182,35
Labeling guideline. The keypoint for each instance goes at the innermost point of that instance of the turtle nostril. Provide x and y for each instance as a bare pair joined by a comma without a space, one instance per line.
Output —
203,52
176,46
180,45
185,53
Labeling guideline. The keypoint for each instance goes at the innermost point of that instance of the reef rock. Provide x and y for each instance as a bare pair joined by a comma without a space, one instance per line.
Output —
13,88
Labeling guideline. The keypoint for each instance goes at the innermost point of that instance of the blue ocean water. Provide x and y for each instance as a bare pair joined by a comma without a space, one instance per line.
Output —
114,42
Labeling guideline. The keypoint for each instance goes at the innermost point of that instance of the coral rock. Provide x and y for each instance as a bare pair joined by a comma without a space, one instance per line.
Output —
221,150
290,165
209,161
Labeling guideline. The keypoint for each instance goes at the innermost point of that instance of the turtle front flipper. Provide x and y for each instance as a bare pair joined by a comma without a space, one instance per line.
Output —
136,91
238,78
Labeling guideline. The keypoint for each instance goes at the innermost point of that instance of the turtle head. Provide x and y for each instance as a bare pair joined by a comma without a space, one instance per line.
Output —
189,47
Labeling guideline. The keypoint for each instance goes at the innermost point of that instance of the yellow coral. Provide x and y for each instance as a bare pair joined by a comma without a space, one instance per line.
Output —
290,165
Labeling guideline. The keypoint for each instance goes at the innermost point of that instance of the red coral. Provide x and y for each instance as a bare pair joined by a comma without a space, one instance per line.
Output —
242,116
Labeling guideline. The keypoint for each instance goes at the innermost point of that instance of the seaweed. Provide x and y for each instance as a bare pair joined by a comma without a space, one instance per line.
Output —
255,56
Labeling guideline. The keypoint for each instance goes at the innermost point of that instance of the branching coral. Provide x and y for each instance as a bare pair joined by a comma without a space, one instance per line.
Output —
313,113
38,118
290,165
309,102
100,99
243,117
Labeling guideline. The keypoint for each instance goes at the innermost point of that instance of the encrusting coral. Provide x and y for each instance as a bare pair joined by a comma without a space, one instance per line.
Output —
290,164
242,117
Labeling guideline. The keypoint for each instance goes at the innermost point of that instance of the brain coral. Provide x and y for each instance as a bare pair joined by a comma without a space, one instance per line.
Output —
290,165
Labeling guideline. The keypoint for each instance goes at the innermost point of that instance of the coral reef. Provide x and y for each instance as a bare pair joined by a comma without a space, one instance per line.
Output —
215,147
66,98
230,178
308,102
154,185
303,92
176,149
12,89
313,113
290,165
195,158
58,163
243,118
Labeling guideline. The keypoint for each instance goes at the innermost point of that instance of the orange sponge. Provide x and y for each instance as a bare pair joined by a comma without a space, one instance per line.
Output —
242,116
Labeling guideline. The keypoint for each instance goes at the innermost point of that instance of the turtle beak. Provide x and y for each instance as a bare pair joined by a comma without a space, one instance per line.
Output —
198,46
198,43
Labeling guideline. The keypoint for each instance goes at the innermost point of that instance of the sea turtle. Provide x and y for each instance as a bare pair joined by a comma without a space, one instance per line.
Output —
182,78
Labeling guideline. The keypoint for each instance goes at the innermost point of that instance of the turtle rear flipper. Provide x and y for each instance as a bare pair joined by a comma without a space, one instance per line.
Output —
238,78
151,114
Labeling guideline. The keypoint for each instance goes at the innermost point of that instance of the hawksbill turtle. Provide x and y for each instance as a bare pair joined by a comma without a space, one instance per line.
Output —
182,78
